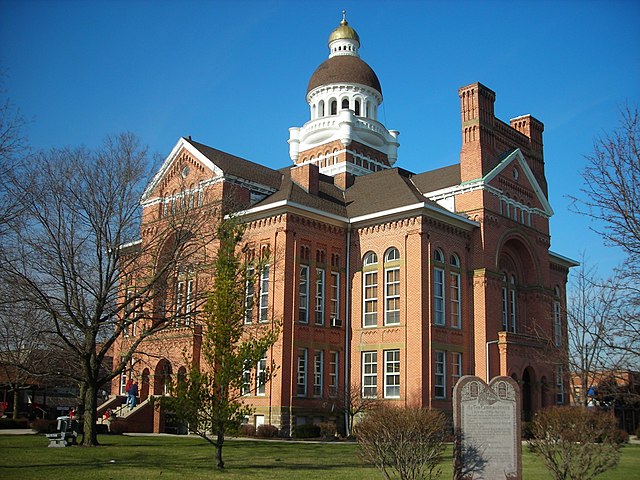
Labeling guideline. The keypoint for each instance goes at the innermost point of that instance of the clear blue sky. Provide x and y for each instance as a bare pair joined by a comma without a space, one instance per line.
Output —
233,74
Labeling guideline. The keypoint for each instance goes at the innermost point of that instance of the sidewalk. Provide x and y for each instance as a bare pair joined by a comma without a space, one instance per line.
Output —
17,431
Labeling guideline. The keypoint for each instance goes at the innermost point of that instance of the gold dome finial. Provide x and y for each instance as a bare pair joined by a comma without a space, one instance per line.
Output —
344,31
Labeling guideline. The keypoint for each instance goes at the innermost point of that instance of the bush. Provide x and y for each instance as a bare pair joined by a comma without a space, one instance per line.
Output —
574,442
621,437
247,430
307,430
6,423
42,425
405,443
328,430
266,431
118,427
638,432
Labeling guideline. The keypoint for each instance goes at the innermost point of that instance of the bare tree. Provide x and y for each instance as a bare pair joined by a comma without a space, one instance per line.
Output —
355,404
75,241
611,195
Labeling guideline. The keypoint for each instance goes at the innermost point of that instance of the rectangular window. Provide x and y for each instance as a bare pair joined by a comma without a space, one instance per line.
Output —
512,310
302,372
335,295
261,372
369,374
303,295
559,385
319,296
264,294
128,312
392,374
249,291
557,324
438,296
392,296
334,364
123,382
179,301
505,309
456,368
454,300
370,299
440,375
318,373
188,307
245,389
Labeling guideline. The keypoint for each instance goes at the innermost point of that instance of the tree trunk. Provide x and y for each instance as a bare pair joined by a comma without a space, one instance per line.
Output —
16,401
90,436
219,443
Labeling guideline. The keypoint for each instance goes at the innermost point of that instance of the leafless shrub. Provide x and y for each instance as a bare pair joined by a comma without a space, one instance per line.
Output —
575,443
403,443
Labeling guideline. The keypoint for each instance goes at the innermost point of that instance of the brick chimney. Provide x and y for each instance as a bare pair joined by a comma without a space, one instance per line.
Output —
306,176
478,153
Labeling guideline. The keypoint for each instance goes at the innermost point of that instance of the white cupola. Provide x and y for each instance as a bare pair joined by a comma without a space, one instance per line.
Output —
344,95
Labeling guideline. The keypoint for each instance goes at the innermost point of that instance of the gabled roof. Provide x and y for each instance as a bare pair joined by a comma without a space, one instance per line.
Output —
438,179
221,164
516,156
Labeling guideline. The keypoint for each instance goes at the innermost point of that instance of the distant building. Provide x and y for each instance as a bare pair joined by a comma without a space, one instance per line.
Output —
393,282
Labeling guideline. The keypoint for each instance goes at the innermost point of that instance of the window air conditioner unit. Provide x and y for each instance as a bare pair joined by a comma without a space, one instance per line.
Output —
336,322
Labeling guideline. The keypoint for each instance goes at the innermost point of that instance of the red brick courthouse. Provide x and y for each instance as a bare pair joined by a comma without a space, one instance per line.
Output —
392,282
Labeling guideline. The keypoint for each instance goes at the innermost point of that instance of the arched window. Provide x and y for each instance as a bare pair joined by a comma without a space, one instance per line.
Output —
392,287
334,107
370,289
321,108
455,311
357,107
438,288
557,318
345,103
509,303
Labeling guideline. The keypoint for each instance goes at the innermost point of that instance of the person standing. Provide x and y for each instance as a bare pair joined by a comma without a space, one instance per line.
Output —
127,389
133,393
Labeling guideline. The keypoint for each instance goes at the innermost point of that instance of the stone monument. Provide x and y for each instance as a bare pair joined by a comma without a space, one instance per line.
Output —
487,424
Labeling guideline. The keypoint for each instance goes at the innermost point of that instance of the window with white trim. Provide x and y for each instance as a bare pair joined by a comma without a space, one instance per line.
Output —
370,287
334,364
369,374
302,372
559,385
456,367
303,295
335,295
557,319
318,373
440,374
391,288
264,294
455,311
261,375
245,388
509,303
319,296
249,291
392,374
438,288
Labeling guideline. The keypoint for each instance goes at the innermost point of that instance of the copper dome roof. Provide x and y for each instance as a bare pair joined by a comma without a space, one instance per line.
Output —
344,69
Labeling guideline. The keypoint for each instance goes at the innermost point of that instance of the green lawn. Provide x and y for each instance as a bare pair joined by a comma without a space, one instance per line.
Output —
185,458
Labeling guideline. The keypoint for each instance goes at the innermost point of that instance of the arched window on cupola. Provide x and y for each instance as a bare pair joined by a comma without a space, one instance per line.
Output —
345,103
334,107
366,109
321,108
314,111
357,107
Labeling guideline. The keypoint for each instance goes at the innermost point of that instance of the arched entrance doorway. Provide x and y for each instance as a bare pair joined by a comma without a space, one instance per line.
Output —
162,378
144,388
526,392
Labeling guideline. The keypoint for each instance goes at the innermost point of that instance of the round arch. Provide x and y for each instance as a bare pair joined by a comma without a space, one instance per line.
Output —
162,377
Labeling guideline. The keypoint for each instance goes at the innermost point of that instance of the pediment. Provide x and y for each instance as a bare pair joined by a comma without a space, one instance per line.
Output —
185,168
515,174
